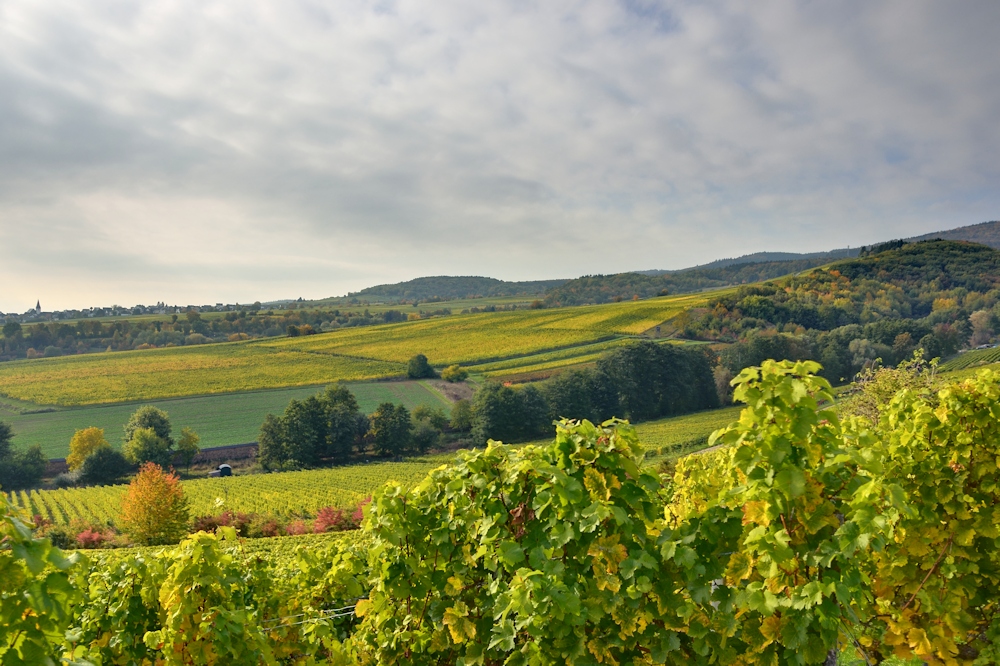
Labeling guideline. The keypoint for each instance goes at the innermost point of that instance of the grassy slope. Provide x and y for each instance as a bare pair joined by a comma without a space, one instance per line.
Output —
347,354
231,418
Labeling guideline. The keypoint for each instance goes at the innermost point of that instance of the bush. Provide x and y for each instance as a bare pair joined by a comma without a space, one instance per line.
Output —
419,368
454,373
91,538
104,466
66,480
154,509
330,519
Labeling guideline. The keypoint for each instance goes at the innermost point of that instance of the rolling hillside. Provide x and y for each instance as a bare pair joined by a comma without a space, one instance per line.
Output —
347,354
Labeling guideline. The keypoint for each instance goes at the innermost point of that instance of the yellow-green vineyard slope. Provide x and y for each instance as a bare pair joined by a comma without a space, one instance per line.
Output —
351,354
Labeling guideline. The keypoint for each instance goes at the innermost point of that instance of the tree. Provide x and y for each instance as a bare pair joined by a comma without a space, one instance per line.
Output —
454,373
187,446
390,430
272,451
104,466
83,444
11,329
149,416
419,368
147,446
982,327
22,469
435,417
461,416
154,508
508,414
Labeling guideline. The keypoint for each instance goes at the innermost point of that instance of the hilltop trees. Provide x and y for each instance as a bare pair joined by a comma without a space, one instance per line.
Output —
391,430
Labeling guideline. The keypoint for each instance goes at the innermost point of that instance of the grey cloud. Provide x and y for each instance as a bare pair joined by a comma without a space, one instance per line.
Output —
319,146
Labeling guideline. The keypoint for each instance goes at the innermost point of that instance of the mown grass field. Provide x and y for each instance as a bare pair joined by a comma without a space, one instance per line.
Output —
347,355
220,420
303,493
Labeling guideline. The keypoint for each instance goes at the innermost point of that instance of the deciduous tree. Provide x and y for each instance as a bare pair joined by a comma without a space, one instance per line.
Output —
154,509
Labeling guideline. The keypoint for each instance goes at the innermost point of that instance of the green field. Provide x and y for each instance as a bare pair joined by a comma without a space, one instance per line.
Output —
230,418
347,354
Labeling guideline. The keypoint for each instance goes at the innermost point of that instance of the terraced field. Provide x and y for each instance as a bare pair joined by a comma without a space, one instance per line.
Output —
347,354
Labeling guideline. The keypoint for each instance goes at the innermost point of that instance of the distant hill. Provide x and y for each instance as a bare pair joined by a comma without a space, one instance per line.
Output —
768,257
450,288
626,286
984,233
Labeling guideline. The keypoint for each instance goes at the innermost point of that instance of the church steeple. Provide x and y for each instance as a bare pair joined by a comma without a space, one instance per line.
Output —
38,306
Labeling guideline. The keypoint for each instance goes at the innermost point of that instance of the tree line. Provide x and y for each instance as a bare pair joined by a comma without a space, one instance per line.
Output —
640,381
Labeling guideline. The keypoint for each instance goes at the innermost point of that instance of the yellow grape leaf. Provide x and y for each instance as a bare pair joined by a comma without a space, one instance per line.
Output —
755,513
362,607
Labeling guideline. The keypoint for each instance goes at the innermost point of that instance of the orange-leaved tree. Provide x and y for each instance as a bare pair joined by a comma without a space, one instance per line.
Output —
154,509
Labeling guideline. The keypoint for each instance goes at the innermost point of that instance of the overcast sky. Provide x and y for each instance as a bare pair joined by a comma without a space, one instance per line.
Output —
195,151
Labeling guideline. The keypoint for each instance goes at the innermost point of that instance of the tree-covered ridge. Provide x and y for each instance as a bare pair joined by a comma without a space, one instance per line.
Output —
626,286
450,288
935,295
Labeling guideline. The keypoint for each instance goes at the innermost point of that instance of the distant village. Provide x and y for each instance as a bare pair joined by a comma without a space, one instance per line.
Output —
36,314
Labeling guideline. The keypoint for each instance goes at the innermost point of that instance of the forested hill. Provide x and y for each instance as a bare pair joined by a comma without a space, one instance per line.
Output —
938,295
626,286
450,288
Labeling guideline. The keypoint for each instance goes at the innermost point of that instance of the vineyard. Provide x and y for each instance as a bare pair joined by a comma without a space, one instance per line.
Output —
972,359
298,494
347,354
285,494
803,534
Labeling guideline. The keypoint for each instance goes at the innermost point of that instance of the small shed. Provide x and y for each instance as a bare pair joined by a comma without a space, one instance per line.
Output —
224,470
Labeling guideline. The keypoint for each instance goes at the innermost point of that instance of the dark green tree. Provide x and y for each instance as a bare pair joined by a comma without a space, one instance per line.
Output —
272,451
22,469
145,445
104,466
461,416
419,368
391,430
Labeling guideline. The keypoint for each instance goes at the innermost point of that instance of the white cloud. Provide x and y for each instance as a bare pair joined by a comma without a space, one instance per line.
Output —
203,151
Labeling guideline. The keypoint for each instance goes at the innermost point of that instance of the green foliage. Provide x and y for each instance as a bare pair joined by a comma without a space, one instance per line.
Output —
454,373
187,446
508,413
937,580
324,426
22,469
419,368
149,416
461,416
391,430
36,594
145,445
530,555
104,466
